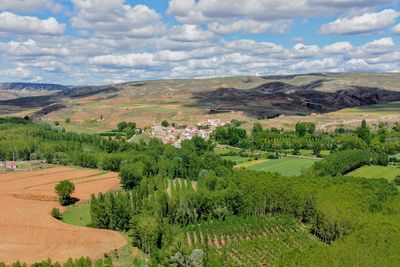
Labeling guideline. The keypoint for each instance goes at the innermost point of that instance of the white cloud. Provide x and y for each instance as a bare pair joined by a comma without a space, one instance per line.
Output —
338,48
396,29
12,23
31,48
189,33
114,18
302,50
130,60
24,6
249,26
377,47
366,23
242,16
20,73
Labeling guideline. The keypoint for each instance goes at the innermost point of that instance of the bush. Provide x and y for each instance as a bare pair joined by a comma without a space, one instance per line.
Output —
55,212
397,180
64,189
67,120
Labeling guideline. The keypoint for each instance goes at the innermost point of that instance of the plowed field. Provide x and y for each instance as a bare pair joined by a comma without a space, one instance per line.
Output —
30,234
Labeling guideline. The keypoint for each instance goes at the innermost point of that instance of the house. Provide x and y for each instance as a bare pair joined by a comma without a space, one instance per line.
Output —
11,165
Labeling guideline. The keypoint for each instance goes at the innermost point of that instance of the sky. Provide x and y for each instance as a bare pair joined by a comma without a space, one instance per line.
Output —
94,42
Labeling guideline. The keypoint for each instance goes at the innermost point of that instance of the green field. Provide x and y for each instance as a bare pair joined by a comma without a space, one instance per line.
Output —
226,150
376,172
78,214
236,159
286,166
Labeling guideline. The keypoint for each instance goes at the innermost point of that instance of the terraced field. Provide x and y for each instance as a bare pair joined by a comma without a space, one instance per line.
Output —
252,241
286,166
376,172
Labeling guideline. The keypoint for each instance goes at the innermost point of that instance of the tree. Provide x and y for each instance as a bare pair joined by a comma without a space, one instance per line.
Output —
302,128
67,120
363,132
122,125
131,174
64,189
164,123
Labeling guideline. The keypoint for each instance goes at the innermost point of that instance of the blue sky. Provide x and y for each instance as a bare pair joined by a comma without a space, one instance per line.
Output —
109,41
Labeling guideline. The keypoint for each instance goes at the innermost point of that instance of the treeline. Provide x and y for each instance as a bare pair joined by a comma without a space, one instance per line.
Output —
305,136
345,161
81,262
136,160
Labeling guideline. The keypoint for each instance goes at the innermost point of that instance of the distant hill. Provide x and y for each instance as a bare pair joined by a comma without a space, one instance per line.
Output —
190,101
34,87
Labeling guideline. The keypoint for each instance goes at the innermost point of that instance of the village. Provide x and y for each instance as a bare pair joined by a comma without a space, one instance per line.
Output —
174,135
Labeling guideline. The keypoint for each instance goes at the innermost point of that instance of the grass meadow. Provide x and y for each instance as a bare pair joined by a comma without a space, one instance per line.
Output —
376,172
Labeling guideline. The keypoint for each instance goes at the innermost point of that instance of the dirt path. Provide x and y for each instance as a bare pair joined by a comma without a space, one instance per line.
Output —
27,231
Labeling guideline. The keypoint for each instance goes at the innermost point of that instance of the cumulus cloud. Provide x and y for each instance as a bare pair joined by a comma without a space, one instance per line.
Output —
189,33
128,60
366,23
338,48
114,17
24,6
21,73
396,29
12,23
249,26
302,50
31,48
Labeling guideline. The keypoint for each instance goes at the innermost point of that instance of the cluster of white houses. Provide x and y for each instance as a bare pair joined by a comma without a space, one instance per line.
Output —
175,135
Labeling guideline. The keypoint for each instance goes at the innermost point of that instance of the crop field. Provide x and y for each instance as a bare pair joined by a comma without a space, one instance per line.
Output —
376,172
30,234
286,166
236,159
252,241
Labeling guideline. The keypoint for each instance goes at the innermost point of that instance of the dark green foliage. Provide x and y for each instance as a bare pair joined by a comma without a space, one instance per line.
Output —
131,174
81,262
302,128
364,133
55,212
397,180
64,189
345,161
229,135
164,123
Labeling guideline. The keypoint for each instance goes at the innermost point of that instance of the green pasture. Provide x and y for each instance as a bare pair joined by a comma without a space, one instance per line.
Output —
78,214
286,166
376,172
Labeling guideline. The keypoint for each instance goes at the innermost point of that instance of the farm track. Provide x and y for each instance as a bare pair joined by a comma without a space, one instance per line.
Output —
27,231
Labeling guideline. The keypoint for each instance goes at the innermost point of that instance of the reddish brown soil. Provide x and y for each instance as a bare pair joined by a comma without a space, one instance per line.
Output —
27,231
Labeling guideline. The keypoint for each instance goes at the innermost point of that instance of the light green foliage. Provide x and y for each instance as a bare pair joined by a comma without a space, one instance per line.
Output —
285,166
64,189
376,172
78,214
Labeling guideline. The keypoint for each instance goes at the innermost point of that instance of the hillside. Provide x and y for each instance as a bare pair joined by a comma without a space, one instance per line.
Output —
18,90
189,101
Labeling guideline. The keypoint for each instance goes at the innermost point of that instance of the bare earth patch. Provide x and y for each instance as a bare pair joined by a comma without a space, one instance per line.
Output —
28,232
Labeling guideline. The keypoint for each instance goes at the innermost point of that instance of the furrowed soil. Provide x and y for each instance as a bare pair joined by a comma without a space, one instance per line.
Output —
29,233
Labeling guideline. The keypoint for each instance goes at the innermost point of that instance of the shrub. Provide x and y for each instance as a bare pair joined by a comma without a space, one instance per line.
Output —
55,212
